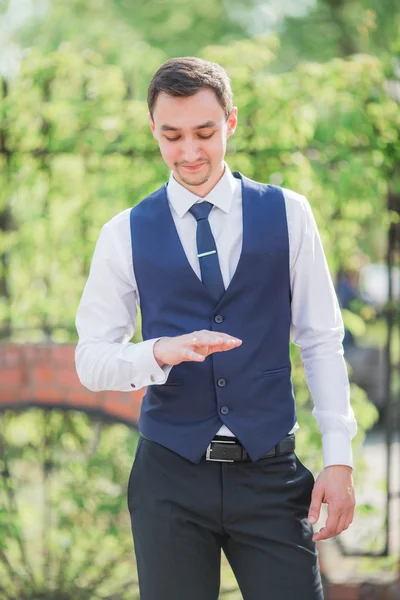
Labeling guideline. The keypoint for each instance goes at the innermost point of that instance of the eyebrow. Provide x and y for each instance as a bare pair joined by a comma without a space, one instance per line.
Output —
205,125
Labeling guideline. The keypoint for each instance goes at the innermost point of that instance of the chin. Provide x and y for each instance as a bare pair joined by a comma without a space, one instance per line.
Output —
194,179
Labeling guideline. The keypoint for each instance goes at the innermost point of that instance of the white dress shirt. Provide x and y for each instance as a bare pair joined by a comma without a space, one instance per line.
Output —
107,313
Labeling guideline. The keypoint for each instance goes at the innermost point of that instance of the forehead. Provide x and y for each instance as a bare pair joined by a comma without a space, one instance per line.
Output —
187,112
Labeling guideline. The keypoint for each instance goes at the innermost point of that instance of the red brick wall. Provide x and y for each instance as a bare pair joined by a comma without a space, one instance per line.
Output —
45,375
355,592
342,592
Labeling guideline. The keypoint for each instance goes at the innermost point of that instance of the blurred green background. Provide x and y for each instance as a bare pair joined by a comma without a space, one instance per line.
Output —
317,84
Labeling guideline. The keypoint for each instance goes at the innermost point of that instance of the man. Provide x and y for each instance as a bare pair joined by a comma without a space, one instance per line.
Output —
225,270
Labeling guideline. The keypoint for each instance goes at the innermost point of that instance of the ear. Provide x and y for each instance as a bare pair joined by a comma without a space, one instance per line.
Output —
152,126
232,121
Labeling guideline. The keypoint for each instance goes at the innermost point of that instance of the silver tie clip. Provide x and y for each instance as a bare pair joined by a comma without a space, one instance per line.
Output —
207,253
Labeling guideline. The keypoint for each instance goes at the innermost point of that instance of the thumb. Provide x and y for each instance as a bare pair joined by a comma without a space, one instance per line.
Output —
315,506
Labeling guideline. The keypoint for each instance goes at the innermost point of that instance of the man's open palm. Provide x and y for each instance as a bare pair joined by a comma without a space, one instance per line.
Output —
193,346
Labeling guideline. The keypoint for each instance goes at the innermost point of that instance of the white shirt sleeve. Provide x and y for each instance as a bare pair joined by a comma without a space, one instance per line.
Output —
317,327
106,319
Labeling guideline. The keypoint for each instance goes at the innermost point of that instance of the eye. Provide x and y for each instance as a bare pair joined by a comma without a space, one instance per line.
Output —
201,137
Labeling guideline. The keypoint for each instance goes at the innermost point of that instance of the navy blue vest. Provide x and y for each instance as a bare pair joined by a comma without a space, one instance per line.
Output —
249,388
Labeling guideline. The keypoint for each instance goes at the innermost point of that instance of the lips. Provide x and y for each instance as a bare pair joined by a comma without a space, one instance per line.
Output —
194,168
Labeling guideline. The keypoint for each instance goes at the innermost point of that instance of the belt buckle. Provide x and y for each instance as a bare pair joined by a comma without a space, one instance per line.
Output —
208,451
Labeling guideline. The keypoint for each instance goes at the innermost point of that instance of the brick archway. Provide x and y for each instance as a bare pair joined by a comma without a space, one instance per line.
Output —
44,375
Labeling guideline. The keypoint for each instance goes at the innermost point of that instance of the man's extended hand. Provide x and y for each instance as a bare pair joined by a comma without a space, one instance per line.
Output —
193,346
334,486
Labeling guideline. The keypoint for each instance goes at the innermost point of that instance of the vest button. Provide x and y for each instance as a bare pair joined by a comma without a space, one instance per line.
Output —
218,318
224,410
221,382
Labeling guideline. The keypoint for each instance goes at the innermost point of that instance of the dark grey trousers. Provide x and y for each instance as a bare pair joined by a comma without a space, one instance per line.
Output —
183,514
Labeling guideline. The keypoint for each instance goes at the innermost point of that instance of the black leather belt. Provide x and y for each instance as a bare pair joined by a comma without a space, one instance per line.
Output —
225,449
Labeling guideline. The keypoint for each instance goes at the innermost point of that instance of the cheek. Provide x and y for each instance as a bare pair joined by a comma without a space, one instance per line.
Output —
167,152
218,146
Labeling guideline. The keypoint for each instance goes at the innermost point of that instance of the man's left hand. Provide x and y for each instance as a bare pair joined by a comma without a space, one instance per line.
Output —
334,486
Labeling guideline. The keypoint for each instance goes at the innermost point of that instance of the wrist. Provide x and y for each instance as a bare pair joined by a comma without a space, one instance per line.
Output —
339,468
157,351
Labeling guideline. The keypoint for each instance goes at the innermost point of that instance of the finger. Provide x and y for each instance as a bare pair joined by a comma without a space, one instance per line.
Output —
223,348
330,528
349,518
198,341
219,342
315,506
341,526
188,354
210,335
227,343
203,350
230,339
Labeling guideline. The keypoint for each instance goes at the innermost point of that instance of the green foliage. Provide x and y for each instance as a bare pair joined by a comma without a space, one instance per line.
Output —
183,27
334,28
137,36
81,151
77,150
64,492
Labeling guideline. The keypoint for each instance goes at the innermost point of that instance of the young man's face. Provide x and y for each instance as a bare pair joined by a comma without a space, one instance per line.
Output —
192,134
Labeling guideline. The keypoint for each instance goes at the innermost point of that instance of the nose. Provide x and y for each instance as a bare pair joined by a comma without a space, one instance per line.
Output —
190,151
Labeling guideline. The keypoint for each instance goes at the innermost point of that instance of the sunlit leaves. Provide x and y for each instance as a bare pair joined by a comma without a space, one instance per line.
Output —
82,151
66,497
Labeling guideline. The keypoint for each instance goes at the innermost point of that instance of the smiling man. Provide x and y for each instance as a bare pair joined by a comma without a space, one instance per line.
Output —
201,165
226,270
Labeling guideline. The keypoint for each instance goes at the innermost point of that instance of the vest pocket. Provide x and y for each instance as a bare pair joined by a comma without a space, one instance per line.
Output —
275,371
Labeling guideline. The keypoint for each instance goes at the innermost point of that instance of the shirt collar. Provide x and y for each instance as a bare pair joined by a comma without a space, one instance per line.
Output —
221,195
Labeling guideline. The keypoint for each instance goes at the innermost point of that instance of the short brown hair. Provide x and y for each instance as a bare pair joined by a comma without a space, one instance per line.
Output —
186,76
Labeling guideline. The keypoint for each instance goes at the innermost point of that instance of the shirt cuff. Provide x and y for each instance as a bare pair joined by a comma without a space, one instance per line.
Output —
336,449
146,370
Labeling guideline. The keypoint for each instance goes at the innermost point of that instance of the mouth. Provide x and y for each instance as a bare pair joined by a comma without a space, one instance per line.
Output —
194,167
